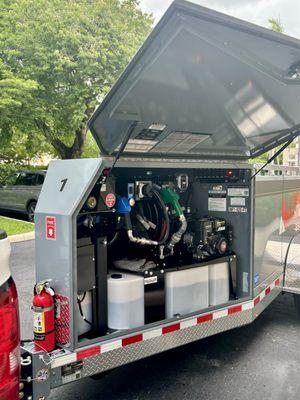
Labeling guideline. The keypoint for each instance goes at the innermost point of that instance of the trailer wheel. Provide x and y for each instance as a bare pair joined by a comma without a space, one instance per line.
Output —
30,210
297,303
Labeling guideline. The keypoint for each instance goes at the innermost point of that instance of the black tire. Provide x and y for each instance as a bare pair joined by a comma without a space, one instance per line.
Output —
297,303
30,210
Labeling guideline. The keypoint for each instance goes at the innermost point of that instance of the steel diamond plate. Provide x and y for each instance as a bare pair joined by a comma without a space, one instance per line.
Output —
125,355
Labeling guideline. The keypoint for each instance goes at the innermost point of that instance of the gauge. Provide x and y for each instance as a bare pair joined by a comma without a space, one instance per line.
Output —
91,202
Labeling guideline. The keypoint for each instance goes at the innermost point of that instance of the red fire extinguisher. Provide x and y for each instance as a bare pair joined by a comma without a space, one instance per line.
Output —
43,317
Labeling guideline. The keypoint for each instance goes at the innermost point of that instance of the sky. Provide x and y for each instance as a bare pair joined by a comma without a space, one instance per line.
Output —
256,11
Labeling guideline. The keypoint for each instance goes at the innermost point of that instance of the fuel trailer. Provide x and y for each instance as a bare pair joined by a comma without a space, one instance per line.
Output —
172,235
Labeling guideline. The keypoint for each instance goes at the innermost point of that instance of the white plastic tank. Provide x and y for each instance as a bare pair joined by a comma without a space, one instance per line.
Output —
218,283
186,291
84,312
126,306
4,257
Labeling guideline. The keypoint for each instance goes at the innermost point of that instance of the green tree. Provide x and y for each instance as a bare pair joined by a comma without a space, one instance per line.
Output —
63,55
16,95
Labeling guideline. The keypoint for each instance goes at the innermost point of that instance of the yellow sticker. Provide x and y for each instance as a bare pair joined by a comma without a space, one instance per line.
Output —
38,322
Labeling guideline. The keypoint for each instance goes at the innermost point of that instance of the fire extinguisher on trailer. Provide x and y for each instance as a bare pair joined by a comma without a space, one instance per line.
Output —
43,317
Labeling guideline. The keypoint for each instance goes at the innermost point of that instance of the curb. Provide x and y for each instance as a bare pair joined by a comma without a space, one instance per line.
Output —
23,237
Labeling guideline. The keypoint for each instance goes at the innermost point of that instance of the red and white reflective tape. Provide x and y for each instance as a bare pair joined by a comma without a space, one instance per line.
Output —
165,330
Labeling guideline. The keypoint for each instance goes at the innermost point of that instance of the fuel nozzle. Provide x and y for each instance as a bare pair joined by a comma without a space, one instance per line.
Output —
169,196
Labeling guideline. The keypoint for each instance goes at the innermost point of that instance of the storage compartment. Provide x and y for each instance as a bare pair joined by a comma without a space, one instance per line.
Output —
169,236
186,291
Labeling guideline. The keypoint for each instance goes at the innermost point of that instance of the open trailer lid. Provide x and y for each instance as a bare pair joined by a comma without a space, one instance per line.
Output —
203,85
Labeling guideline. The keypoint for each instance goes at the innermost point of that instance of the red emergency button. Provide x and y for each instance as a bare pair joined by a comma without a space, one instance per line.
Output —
110,200
229,173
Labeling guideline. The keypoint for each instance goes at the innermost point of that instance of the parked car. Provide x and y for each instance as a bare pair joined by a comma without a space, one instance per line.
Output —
20,192
9,327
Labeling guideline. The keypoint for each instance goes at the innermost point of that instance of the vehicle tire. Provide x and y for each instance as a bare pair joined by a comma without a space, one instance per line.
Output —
30,211
297,303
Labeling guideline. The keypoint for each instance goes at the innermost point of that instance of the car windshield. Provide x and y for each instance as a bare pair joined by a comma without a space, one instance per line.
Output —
40,179
26,179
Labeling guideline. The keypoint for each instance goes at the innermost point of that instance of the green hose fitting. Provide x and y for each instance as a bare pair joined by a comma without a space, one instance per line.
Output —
169,196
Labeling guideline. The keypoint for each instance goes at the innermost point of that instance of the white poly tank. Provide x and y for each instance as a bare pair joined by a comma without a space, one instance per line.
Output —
218,283
126,308
186,291
87,313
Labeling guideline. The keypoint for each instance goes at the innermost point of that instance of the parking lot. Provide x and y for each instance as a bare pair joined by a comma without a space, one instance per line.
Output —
256,362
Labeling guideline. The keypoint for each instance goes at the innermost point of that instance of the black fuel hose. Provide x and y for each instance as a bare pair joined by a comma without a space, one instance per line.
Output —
115,237
142,240
166,216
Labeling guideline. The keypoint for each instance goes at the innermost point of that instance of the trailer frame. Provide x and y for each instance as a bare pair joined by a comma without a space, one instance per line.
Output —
42,372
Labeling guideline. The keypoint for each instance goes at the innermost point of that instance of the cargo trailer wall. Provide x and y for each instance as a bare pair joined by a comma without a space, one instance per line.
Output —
277,222
268,257
291,232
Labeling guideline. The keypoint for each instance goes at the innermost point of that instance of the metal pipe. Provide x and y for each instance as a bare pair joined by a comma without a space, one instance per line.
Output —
140,240
176,237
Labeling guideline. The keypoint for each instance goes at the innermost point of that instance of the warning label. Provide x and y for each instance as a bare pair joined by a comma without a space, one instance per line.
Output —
237,201
110,200
238,192
38,322
217,204
50,228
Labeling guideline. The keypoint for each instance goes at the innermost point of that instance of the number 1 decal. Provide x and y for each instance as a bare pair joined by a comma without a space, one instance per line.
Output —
63,184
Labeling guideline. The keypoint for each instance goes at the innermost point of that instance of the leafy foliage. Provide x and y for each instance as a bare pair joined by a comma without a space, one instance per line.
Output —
57,58
7,169
276,25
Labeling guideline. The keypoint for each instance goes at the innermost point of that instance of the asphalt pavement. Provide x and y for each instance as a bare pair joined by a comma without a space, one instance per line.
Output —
257,362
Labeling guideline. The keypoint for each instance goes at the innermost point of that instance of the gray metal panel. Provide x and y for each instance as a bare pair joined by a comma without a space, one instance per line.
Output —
291,233
241,223
175,163
203,72
56,259
268,259
79,175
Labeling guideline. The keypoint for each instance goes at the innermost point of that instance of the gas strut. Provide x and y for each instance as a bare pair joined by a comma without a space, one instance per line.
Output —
123,145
